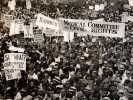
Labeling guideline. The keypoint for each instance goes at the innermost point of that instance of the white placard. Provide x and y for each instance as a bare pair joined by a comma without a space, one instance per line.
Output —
12,74
8,19
15,61
38,36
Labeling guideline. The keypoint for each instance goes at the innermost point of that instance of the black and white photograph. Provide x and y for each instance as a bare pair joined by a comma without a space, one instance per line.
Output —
66,49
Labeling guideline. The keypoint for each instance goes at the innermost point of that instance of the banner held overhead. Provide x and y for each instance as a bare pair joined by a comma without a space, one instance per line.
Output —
46,22
94,28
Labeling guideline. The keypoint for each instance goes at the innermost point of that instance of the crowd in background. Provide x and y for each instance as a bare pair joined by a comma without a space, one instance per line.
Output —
88,68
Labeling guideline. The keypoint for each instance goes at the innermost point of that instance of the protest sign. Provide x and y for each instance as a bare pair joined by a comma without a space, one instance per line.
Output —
102,7
68,36
28,31
38,35
129,18
12,74
12,4
28,4
97,7
46,22
17,26
94,28
8,19
21,42
51,32
12,29
48,32
12,48
124,16
71,36
15,61
130,2
131,60
20,24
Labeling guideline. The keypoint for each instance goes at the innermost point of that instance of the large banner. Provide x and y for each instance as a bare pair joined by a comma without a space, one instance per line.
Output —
94,28
12,74
107,29
46,22
8,19
15,61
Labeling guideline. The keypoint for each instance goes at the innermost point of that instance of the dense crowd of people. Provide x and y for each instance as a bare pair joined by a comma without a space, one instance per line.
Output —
88,68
